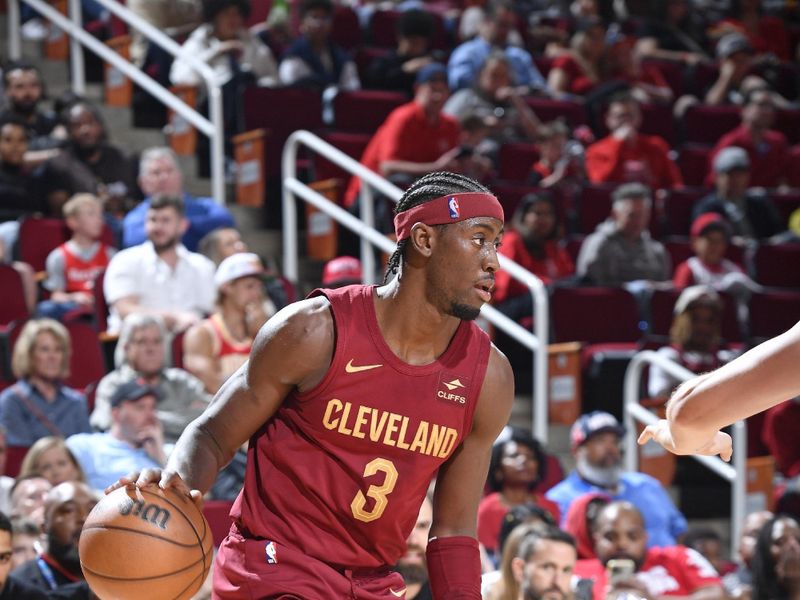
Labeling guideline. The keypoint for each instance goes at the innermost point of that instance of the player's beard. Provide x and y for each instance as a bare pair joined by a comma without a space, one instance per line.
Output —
607,477
412,573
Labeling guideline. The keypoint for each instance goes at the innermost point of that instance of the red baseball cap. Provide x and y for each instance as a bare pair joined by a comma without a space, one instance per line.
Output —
341,270
709,220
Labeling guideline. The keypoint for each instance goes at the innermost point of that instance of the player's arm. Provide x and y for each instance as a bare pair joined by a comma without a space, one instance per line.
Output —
758,379
292,350
453,558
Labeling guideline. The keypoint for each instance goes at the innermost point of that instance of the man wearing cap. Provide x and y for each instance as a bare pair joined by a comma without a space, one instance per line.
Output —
749,212
735,55
135,440
595,439
767,149
341,271
214,348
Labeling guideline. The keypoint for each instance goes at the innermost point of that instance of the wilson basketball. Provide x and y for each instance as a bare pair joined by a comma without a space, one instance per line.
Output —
145,543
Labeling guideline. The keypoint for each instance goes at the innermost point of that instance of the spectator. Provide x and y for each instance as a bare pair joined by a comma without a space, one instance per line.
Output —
533,242
171,16
397,70
660,572
767,34
220,243
582,68
26,541
776,560
621,250
502,584
580,521
708,542
159,174
416,138
39,404
50,458
544,564
561,162
66,507
6,482
695,338
628,155
90,164
671,31
735,56
161,277
10,588
134,442
595,439
710,237
739,584
499,20
27,498
216,347
412,564
767,148
341,271
648,85
749,212
779,434
73,267
518,463
313,59
141,354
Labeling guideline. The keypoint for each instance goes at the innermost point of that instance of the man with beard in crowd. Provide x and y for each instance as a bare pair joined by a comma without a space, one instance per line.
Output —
543,565
595,439
412,565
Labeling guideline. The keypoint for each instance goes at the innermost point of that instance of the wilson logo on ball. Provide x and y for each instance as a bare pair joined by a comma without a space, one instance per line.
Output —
155,514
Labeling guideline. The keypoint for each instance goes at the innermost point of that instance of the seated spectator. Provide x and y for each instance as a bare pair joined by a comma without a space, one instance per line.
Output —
767,34
580,521
776,560
18,197
749,212
160,175
134,442
497,100
397,70
544,564
628,155
498,21
739,584
216,347
341,271
6,482
141,354
73,267
779,434
171,16
660,572
579,70
10,588
160,276
517,465
596,439
313,60
27,498
412,565
50,458
501,583
27,541
767,149
646,82
59,568
672,31
532,241
220,243
621,250
695,339
89,163
708,542
39,404
736,62
561,163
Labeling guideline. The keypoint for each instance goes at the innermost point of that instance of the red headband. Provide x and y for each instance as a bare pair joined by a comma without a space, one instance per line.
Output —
448,209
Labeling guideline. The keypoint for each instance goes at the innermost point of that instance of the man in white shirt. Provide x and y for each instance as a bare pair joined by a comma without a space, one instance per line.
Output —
161,277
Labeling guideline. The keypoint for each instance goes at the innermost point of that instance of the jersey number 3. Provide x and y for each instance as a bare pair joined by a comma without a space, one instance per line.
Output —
377,492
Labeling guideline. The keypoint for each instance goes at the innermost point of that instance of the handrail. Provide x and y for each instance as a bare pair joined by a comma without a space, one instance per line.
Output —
536,341
212,127
736,474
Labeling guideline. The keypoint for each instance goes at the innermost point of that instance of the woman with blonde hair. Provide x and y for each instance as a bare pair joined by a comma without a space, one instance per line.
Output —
50,458
39,404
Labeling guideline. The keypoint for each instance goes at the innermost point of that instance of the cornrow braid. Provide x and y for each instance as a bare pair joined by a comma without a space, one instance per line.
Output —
427,188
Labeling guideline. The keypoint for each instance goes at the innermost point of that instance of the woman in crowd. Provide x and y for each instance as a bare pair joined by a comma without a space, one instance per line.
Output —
50,458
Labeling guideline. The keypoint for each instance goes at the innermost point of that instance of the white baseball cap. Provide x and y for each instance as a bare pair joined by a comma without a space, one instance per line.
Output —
236,266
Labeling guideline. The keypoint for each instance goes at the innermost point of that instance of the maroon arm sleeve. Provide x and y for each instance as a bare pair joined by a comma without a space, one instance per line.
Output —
454,568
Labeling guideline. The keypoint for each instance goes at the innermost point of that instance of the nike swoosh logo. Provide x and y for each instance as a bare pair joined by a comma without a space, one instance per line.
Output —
351,368
398,593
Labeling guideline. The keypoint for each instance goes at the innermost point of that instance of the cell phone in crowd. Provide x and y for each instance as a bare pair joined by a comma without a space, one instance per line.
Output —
619,569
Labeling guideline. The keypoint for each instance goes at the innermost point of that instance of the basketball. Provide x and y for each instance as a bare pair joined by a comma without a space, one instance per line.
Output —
140,543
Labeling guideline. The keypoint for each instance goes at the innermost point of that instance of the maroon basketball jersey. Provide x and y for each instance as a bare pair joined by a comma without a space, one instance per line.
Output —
340,471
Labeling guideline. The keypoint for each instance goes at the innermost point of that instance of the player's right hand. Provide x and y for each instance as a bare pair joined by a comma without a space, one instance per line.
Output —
163,478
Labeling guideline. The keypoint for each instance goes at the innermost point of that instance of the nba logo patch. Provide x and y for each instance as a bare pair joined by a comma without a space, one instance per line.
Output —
271,552
452,205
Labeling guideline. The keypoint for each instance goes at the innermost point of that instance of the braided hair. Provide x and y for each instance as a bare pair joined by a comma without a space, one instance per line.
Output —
427,188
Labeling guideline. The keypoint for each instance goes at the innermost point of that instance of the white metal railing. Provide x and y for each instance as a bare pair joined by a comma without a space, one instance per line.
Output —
364,227
72,26
633,411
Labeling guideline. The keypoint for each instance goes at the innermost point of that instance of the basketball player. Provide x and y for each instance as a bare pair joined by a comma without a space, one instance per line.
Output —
758,379
352,401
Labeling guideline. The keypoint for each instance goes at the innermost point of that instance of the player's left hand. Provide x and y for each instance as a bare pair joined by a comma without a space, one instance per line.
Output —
720,443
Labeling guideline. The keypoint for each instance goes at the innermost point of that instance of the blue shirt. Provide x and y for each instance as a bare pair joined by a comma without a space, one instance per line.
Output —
68,412
104,458
204,216
664,522
467,59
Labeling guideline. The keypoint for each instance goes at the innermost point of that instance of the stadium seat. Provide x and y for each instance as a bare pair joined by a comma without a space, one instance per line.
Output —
38,237
583,314
677,209
788,202
693,163
345,28
516,159
352,144
662,303
100,306
672,72
363,58
12,307
788,123
176,349
14,457
772,313
778,266
363,111
594,207
87,364
510,193
383,33
657,120
704,124
550,110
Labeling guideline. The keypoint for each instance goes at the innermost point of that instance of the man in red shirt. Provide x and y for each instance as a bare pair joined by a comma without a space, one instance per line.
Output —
768,149
619,534
626,155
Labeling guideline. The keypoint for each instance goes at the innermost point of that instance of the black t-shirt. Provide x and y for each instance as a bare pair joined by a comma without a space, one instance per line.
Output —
17,196
30,575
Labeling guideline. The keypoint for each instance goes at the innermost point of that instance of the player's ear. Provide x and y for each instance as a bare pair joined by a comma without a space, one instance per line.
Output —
423,238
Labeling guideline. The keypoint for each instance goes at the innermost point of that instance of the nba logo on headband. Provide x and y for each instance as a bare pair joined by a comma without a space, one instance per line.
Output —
452,204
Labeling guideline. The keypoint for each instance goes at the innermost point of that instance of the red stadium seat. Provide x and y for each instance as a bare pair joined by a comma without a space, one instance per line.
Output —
87,364
788,123
38,237
585,315
772,313
12,307
662,303
672,72
510,193
550,110
345,28
788,202
693,163
657,120
677,209
363,58
516,159
594,207
100,306
177,350
778,266
14,457
705,124
363,111
544,64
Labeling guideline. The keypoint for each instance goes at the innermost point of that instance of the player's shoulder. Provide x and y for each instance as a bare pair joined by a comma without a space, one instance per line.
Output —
307,320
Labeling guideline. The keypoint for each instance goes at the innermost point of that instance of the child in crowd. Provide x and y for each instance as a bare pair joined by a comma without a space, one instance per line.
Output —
560,159
73,267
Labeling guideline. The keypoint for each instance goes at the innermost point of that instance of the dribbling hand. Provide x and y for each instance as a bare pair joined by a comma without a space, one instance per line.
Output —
161,478
660,433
